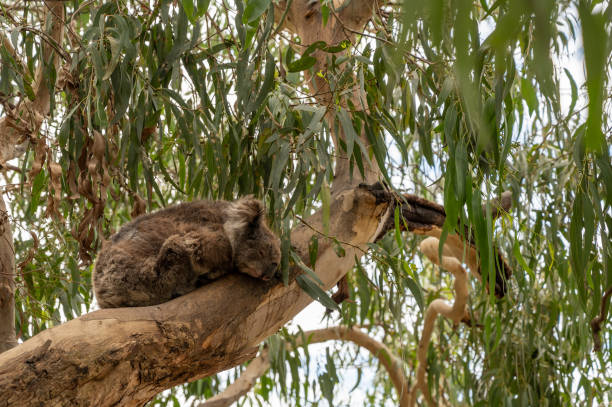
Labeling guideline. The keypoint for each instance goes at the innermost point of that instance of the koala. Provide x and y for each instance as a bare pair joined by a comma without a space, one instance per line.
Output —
173,251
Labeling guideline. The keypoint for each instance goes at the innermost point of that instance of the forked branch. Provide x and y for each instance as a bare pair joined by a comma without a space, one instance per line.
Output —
259,365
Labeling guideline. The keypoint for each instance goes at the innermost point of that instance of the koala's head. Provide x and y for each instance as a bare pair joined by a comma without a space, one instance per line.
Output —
256,249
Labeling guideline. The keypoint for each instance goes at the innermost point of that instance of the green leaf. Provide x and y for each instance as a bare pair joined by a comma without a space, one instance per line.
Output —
519,257
325,205
574,92
398,235
414,288
305,62
254,9
348,130
116,48
529,94
596,54
189,9
315,292
324,14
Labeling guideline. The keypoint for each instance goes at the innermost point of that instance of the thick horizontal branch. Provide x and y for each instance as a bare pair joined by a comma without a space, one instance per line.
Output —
424,217
125,356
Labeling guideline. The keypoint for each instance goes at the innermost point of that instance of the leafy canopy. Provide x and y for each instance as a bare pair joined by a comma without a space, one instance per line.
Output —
160,101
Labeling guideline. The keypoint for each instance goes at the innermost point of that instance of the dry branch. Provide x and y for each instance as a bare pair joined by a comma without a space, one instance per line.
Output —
424,217
24,123
392,364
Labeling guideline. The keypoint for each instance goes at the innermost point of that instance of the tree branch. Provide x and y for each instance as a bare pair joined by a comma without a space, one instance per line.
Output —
391,363
304,18
455,313
125,356
600,319
424,217
256,368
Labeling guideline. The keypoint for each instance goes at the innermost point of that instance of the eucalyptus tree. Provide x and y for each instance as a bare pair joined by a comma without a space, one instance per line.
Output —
349,119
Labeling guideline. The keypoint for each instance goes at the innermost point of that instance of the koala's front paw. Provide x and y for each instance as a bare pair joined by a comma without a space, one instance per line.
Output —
172,251
210,252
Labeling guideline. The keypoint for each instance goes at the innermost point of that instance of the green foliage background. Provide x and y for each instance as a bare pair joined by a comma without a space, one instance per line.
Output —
160,102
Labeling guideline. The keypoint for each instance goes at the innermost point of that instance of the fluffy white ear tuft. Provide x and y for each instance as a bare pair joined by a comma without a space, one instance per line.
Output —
241,214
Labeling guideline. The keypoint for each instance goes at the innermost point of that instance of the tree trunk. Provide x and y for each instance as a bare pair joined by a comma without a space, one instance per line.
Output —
7,282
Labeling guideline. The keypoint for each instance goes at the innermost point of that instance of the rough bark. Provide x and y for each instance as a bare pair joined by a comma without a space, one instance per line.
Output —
125,356
7,282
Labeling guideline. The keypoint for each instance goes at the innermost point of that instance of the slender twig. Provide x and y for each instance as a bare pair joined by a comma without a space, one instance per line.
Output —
600,319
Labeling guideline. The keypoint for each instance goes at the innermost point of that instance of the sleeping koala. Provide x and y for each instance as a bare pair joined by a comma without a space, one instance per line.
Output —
173,251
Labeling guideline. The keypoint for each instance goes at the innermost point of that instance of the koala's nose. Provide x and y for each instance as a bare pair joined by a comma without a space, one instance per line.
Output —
271,271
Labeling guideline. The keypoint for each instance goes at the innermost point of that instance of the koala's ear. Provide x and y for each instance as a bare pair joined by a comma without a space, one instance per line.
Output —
245,212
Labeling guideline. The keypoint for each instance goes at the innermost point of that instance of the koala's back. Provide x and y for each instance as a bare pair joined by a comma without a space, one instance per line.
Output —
125,273
168,221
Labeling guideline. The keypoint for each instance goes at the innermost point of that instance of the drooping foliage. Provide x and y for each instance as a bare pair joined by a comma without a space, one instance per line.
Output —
158,102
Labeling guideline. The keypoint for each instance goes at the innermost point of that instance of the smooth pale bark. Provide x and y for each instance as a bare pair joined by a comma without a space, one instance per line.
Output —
455,312
392,364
